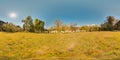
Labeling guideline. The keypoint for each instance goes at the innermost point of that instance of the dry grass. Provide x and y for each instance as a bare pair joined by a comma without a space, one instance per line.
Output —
84,45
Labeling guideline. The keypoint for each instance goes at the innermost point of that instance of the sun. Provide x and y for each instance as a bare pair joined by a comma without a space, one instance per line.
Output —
12,15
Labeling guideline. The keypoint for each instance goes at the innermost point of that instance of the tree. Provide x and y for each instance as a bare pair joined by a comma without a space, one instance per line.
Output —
110,20
86,28
28,24
64,27
109,25
94,28
52,28
41,25
58,25
73,27
10,27
38,25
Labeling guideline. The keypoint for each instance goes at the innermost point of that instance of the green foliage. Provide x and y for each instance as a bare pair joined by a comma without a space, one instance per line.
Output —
73,27
94,28
28,24
90,28
84,28
110,20
38,25
108,26
1,29
9,27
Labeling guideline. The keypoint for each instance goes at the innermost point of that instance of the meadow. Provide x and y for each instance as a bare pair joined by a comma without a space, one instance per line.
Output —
60,46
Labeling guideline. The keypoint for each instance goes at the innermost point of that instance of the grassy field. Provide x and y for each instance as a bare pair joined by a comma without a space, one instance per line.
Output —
69,46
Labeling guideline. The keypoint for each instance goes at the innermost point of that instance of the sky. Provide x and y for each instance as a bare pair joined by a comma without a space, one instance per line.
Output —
81,12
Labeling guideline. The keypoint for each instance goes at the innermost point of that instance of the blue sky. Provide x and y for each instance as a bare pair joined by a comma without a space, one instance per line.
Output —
82,12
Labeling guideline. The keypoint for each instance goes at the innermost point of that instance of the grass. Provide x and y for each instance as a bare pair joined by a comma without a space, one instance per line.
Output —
69,46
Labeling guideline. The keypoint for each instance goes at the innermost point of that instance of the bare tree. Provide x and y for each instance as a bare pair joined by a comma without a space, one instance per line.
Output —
58,25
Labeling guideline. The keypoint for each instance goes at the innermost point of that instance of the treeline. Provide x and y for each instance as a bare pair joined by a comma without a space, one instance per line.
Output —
28,26
62,27
10,27
111,24
37,25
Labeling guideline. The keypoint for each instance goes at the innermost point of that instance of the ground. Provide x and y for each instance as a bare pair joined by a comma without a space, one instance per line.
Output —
60,46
